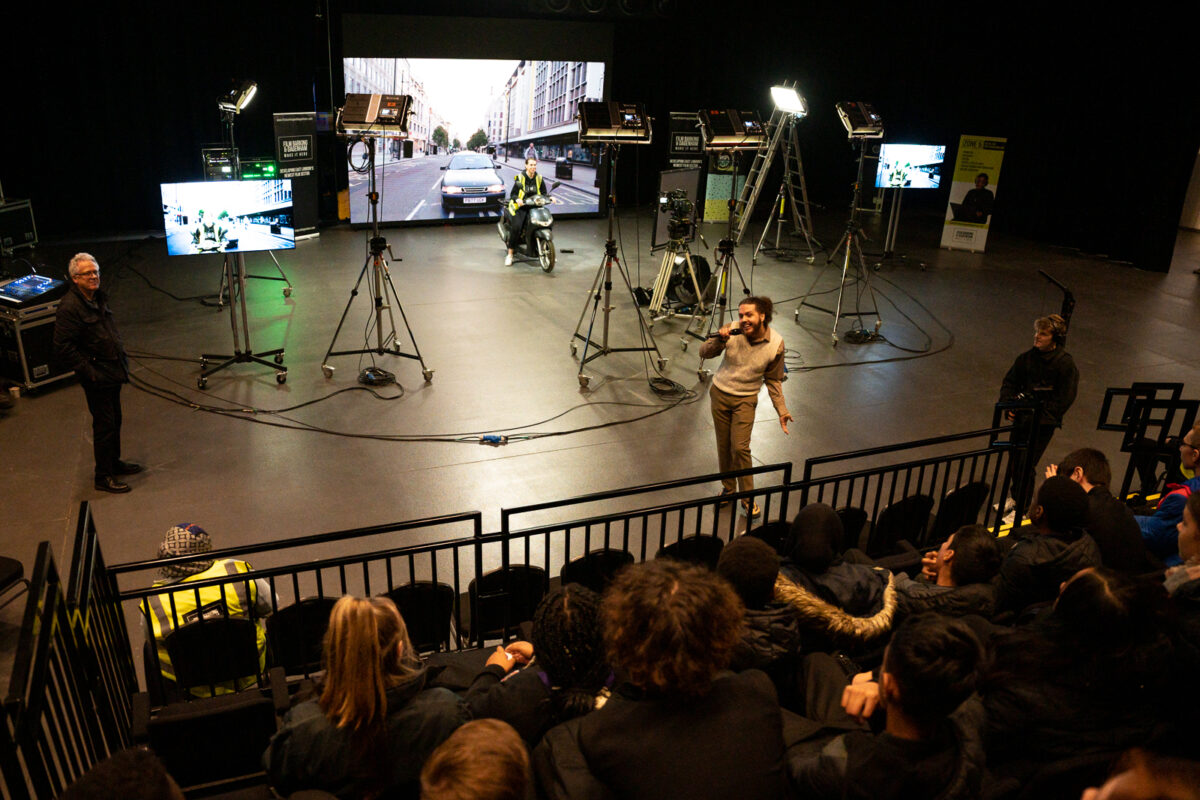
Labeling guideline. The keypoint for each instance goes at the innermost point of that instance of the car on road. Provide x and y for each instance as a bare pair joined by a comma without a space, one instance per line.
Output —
472,182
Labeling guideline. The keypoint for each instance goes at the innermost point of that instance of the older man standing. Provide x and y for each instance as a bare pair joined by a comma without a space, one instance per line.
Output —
86,340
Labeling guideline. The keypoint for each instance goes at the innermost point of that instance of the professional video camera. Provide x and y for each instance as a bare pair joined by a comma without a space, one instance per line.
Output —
680,208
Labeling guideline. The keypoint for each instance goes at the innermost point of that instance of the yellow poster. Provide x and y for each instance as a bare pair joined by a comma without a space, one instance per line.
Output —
973,192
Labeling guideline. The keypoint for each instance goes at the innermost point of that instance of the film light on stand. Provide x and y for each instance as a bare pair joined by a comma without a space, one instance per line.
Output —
238,97
789,101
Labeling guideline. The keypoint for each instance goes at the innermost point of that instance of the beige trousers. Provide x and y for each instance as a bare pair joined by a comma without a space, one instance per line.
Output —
733,420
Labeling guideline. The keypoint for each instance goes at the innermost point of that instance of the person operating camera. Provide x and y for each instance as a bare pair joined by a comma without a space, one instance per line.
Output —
528,182
753,356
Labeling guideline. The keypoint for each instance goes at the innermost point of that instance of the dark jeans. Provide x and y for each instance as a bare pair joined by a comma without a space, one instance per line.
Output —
105,404
1025,468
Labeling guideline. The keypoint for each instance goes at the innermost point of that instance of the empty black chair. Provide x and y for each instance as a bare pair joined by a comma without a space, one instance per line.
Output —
694,550
295,634
215,740
959,507
854,519
904,520
221,652
427,608
773,533
12,573
596,569
502,599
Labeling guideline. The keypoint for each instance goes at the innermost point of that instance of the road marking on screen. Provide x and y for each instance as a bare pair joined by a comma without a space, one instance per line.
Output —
415,210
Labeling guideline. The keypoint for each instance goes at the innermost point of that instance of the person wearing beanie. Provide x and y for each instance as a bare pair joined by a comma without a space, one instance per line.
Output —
1050,550
771,632
167,611
839,604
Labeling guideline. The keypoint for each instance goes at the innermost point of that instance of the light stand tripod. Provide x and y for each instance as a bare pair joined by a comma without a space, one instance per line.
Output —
228,115
721,279
851,247
382,288
235,278
602,289
785,138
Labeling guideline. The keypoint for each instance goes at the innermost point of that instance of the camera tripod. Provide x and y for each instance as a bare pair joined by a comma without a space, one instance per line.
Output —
677,253
383,291
722,281
850,247
603,290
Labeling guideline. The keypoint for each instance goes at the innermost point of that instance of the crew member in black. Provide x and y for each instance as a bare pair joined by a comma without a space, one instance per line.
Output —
1046,372
526,183
86,340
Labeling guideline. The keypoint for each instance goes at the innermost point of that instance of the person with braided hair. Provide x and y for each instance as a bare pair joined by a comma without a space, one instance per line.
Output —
565,672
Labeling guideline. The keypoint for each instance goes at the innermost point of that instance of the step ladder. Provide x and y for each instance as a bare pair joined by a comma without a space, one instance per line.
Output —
781,137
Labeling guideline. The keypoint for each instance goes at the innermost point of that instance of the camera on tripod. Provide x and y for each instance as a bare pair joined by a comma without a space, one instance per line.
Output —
680,208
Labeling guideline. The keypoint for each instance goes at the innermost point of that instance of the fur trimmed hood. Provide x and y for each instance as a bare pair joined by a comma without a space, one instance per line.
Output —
841,626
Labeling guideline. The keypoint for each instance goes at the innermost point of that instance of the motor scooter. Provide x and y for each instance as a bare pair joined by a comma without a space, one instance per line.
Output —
538,241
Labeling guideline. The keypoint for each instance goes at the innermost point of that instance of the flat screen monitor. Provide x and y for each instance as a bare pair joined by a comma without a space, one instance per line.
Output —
910,166
474,122
228,216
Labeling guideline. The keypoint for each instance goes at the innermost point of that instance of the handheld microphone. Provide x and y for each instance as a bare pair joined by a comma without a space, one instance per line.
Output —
732,332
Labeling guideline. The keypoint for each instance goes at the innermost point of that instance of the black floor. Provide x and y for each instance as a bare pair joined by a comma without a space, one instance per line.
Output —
498,339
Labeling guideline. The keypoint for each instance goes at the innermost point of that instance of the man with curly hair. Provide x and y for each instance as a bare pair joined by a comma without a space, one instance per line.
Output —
670,630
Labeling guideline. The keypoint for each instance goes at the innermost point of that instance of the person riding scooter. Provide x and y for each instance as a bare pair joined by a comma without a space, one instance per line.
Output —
526,183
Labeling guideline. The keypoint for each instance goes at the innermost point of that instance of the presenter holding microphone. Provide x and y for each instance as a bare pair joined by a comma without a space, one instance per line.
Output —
753,356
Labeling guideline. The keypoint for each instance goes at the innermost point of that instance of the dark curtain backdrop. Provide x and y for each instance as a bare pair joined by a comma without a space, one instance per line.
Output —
1100,111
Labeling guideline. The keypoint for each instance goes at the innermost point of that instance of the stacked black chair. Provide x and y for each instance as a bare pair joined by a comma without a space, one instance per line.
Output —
427,608
503,599
596,569
694,550
295,634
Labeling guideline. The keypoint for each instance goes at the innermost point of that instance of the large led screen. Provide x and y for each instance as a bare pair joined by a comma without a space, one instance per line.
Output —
910,166
473,124
227,216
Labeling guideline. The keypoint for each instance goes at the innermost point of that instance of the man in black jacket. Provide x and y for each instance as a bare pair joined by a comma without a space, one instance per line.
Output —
1051,551
1045,372
86,340
1109,521
956,579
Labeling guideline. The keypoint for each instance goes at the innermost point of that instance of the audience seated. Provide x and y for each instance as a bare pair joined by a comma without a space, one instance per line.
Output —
956,579
839,604
1050,550
770,638
375,722
1089,678
929,669
170,610
1187,572
1109,521
565,673
133,774
678,724
483,760
1159,529
1141,775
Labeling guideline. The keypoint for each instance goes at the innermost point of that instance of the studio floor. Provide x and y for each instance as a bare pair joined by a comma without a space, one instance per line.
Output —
498,339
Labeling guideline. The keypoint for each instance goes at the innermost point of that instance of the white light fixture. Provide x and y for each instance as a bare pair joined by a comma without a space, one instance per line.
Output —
238,97
789,101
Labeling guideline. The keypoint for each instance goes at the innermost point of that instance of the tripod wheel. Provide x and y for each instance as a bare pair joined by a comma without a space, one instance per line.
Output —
427,374
662,364
202,383
328,370
584,380
279,358
287,291
281,377
683,344
574,350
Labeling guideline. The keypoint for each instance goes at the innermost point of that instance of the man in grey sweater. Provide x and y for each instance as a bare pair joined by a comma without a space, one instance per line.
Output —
753,355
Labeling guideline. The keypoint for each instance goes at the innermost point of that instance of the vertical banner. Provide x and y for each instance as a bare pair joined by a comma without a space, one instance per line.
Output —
296,154
976,179
720,183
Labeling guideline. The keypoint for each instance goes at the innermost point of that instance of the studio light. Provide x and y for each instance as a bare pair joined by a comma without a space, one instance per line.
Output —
238,97
789,101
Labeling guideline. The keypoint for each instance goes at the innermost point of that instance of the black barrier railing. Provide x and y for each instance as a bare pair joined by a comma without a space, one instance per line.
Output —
54,728
1152,417
874,488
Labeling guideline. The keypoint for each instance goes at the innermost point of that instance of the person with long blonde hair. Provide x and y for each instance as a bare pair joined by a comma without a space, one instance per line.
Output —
375,722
